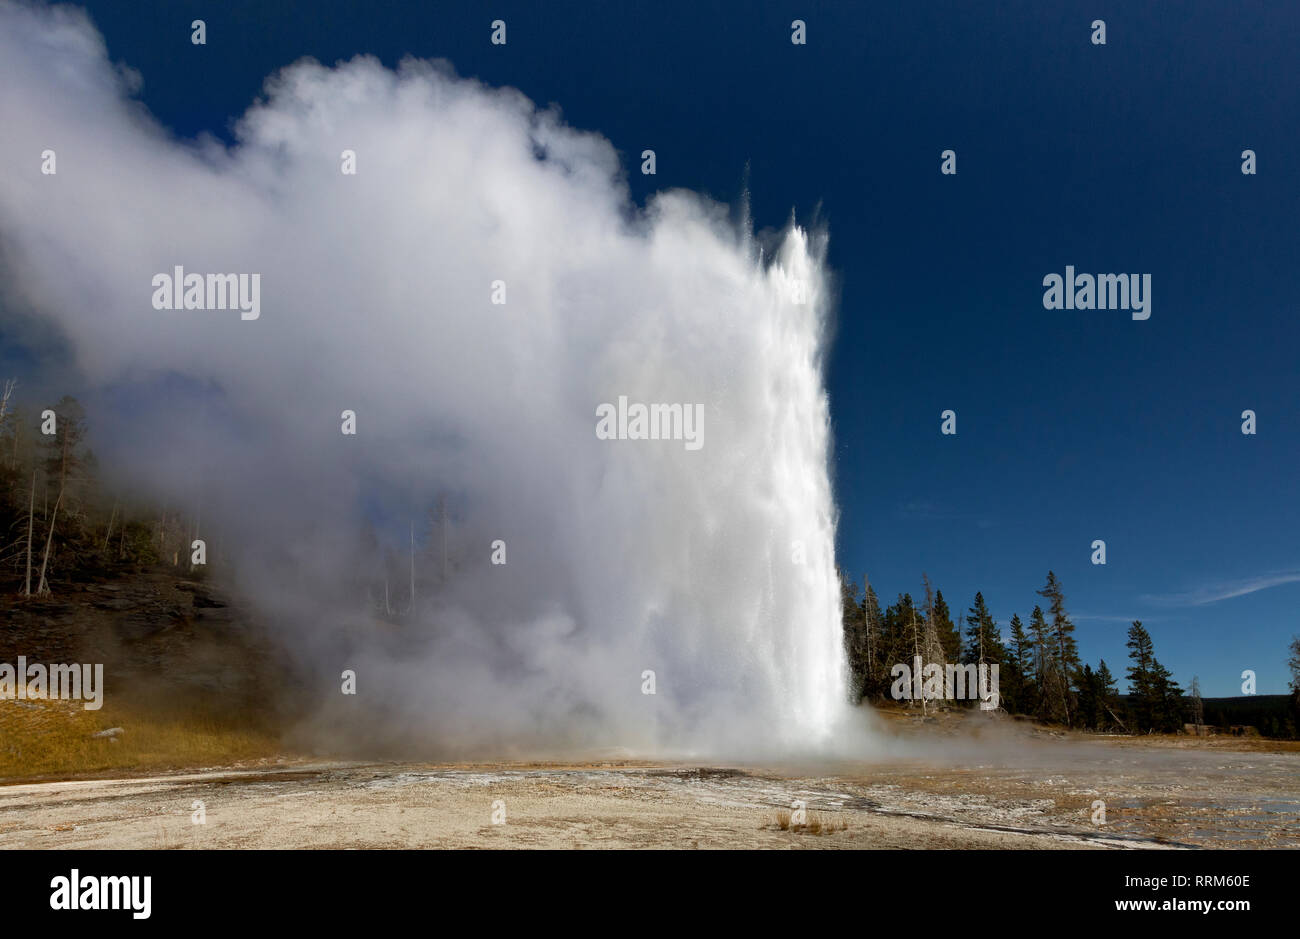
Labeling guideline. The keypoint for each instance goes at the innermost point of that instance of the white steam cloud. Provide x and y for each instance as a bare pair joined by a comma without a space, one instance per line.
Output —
712,567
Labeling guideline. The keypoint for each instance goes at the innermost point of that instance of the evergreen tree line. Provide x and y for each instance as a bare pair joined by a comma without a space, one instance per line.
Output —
59,525
1039,670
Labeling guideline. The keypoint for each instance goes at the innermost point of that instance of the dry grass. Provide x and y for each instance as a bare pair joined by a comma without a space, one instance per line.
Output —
52,738
813,824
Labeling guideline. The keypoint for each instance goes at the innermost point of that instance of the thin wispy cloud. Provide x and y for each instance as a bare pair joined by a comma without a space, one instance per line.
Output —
1226,590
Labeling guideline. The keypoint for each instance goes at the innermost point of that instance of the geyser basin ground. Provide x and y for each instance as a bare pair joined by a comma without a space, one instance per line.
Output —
1038,796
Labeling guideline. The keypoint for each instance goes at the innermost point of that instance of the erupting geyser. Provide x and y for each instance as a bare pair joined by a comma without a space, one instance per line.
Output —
474,294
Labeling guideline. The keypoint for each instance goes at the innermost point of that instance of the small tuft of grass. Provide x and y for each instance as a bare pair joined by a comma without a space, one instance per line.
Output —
815,824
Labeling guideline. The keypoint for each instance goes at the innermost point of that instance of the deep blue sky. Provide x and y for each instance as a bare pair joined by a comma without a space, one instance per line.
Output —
1072,425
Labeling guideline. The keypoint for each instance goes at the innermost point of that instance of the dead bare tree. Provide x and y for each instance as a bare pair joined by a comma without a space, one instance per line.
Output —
31,519
869,628
111,516
916,657
927,648
10,385
933,652
42,586
1198,706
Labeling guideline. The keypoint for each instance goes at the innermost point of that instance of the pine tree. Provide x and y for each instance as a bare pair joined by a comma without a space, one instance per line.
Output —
1089,713
1139,675
873,625
1019,684
1167,699
1157,698
1107,682
983,643
1108,693
1293,663
1042,662
855,640
1064,649
896,638
949,635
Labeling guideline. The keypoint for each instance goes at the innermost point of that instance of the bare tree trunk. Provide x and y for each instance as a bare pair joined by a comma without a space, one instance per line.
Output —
1116,716
1065,678
4,409
4,398
31,518
42,587
10,385
932,648
111,516
916,650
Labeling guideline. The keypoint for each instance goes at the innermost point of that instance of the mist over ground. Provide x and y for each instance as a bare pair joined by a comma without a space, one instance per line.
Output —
711,567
